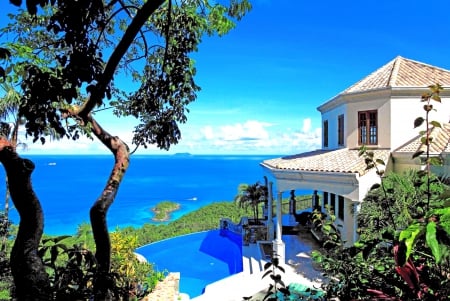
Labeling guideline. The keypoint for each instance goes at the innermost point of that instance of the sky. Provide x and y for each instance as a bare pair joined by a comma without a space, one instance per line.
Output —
262,83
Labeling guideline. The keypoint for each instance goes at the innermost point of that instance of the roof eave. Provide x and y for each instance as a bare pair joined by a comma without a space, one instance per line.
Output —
346,97
343,98
349,179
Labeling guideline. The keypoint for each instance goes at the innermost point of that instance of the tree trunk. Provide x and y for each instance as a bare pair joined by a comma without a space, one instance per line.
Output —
103,281
30,278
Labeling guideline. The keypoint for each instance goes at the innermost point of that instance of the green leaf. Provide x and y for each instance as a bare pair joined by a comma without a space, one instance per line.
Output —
425,140
417,154
409,237
267,265
4,53
381,162
436,97
425,97
61,237
444,218
432,241
418,122
375,186
436,124
436,161
362,150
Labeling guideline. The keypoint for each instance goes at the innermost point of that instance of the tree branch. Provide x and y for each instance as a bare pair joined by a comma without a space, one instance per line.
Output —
133,29
100,208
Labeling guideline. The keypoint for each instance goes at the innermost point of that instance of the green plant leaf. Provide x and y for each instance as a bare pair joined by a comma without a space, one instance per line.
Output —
381,162
362,150
436,124
417,154
418,122
436,97
444,218
4,53
436,161
409,236
266,273
375,186
432,242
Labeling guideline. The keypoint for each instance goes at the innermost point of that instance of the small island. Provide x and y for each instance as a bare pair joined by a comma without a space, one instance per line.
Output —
163,210
182,154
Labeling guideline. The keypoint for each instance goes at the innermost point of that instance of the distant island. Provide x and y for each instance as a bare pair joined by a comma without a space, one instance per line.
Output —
163,210
182,154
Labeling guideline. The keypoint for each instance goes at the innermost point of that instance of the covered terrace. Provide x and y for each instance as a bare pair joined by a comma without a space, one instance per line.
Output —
336,174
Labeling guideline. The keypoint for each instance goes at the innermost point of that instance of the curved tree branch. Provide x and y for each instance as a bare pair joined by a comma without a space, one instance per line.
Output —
133,29
100,208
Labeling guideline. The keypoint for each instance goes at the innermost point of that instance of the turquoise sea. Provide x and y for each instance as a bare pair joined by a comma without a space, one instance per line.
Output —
67,185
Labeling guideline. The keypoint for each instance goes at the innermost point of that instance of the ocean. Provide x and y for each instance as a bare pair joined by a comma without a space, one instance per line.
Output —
67,186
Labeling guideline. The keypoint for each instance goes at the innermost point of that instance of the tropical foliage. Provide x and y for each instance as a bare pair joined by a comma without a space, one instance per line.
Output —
163,209
73,255
252,195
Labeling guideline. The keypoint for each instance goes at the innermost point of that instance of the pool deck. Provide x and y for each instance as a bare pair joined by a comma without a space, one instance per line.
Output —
298,269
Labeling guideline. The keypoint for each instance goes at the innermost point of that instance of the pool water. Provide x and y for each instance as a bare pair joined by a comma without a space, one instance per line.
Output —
201,258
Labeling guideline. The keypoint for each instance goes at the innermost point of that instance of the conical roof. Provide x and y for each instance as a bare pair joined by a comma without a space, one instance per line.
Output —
402,72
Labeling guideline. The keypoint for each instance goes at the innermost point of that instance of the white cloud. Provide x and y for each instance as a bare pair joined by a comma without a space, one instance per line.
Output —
254,137
250,130
208,132
248,137
306,125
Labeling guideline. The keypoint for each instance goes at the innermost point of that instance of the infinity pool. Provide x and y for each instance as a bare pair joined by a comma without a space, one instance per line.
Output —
201,258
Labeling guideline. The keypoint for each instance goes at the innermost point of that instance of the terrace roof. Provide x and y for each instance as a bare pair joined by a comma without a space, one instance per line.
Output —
337,161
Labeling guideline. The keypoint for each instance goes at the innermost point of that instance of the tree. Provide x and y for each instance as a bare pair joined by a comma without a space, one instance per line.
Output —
251,195
58,57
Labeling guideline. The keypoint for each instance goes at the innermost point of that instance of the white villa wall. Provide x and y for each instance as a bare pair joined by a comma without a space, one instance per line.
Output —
332,117
405,110
348,226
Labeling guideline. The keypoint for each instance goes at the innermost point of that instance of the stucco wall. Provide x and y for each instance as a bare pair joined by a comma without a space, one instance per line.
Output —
405,110
332,117
381,105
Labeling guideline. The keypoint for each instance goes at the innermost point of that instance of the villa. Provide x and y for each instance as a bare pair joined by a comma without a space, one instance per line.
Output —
378,112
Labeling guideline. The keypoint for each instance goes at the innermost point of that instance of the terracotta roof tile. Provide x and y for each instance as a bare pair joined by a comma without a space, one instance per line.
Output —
340,161
440,143
401,72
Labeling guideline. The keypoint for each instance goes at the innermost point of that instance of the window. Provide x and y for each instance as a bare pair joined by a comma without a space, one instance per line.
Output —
341,207
341,130
325,133
325,198
332,202
368,130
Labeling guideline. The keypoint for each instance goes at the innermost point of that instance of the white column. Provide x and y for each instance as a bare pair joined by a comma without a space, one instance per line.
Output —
270,228
355,220
278,244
